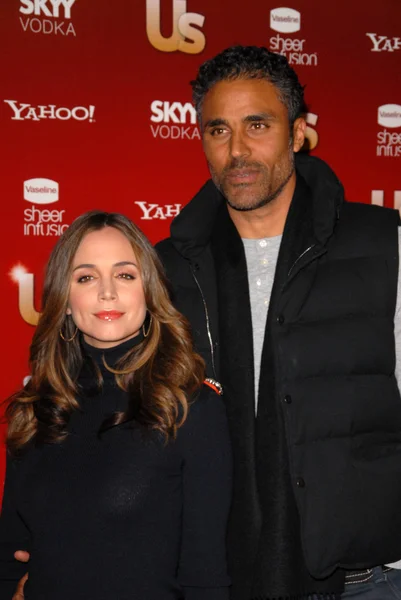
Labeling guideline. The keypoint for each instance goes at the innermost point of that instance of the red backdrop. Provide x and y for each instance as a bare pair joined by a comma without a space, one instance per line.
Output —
95,114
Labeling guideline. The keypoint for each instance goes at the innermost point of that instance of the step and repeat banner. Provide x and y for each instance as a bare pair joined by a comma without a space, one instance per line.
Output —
96,113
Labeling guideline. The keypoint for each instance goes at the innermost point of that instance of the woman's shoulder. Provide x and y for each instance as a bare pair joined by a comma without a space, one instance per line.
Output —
208,399
206,413
204,434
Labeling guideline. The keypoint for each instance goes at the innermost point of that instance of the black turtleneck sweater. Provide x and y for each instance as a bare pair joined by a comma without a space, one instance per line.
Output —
122,516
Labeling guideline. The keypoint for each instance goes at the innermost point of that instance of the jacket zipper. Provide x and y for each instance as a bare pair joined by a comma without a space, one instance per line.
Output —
209,333
299,258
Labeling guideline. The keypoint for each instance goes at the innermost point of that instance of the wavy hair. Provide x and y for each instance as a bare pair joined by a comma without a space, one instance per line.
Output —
159,374
251,62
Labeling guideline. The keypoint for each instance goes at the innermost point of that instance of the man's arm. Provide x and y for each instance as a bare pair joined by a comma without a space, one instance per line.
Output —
397,336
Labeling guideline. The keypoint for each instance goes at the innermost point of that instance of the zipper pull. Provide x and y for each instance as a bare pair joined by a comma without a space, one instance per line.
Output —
215,385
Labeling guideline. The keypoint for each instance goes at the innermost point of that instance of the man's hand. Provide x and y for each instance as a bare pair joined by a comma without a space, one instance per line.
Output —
22,556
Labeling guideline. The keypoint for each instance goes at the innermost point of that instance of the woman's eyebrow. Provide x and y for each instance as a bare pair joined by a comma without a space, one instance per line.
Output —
122,263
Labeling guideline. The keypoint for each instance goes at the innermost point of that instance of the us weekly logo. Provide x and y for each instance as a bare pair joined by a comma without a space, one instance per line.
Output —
186,36
26,292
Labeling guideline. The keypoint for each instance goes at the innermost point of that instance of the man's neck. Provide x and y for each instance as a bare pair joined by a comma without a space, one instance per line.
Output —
267,221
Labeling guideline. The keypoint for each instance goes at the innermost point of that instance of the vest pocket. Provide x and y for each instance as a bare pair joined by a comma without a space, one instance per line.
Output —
376,450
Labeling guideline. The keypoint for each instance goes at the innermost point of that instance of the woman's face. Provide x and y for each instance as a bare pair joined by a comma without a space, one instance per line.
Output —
106,301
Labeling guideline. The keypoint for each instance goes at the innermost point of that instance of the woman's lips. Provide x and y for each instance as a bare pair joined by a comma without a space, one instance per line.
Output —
109,315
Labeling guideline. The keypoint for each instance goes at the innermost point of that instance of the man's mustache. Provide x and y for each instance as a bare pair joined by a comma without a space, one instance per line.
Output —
240,163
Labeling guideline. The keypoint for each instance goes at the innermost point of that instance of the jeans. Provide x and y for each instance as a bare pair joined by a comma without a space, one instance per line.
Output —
374,584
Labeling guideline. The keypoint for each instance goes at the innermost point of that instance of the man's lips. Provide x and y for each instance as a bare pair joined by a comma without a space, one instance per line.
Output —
109,315
242,175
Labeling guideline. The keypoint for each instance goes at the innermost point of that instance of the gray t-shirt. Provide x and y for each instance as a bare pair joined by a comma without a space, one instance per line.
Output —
261,259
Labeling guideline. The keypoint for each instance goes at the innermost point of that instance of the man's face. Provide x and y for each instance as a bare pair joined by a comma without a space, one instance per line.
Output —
248,142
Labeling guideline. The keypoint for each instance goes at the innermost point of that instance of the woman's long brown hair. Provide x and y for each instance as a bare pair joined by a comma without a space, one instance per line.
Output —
160,373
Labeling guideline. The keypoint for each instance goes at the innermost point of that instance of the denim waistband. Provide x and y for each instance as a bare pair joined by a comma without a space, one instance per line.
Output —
363,575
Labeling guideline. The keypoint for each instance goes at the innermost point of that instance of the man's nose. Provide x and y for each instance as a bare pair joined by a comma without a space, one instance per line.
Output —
239,145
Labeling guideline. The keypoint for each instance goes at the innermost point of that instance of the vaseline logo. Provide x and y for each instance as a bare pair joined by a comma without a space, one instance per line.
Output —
389,115
185,37
41,191
285,20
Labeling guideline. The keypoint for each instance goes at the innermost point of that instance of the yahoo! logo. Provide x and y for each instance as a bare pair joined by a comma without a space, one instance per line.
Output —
23,112
382,43
157,211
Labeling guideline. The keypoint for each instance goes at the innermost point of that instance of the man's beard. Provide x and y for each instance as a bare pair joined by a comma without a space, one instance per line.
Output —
266,191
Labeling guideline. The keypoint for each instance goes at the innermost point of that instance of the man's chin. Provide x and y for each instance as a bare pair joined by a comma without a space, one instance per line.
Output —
241,196
244,204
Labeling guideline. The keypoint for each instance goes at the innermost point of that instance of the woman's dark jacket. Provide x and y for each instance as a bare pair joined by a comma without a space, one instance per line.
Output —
327,369
121,515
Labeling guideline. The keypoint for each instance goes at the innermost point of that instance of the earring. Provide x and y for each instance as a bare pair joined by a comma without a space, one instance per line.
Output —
71,338
150,325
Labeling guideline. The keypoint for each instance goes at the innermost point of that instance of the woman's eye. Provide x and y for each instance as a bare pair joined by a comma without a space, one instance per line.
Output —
126,276
85,278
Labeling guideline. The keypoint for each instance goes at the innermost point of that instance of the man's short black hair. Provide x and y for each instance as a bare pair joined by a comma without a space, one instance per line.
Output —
251,62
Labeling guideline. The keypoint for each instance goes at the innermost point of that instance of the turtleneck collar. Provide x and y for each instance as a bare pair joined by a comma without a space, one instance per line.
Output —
110,355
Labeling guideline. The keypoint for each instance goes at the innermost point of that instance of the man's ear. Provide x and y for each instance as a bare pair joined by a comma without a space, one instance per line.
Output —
298,131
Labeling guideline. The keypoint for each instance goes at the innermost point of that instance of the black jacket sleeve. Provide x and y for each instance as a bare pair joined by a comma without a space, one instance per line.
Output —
14,535
207,483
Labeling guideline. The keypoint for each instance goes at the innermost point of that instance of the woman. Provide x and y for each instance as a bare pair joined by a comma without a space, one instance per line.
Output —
119,477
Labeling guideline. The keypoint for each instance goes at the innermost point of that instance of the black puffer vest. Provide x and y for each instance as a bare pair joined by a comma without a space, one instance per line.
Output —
333,336
331,326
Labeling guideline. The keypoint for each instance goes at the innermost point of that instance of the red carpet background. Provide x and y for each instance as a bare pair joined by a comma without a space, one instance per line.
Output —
95,113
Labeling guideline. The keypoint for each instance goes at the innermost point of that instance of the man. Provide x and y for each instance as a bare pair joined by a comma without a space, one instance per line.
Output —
291,293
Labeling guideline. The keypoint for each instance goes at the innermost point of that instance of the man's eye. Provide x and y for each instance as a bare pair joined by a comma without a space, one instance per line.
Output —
217,131
258,126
